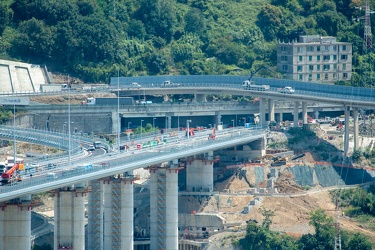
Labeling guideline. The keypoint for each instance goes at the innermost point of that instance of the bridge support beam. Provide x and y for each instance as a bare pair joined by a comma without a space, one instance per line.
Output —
118,213
95,216
200,97
218,118
271,109
346,131
295,114
304,112
163,207
69,228
355,124
199,175
15,224
262,112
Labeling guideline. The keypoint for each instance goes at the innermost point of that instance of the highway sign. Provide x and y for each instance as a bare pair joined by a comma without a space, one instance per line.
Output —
14,100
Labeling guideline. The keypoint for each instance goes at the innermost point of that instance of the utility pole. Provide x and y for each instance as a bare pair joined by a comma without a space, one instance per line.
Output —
367,36
337,227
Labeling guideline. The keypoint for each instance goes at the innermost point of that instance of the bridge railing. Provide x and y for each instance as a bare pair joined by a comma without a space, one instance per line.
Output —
175,147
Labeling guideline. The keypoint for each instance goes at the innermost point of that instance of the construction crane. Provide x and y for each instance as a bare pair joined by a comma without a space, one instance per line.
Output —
260,68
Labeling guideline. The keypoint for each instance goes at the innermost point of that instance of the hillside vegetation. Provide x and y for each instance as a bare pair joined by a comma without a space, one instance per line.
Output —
94,39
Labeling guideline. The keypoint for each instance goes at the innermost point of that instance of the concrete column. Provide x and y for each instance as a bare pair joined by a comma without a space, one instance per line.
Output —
169,122
95,216
171,219
281,118
304,112
107,210
115,122
271,109
356,131
127,214
70,219
200,97
199,175
15,225
262,112
346,131
153,209
295,114
164,208
218,118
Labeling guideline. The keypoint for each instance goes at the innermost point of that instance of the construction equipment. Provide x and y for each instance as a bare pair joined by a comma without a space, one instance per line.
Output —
212,136
10,174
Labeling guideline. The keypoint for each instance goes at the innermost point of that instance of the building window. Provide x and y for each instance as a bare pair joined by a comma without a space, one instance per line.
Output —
300,58
318,67
344,57
285,67
283,49
318,58
301,77
299,68
344,47
345,75
284,58
310,58
326,67
334,66
310,77
311,67
299,49
318,48
334,47
325,76
334,57
310,49
326,57
344,67
317,76
326,48
334,75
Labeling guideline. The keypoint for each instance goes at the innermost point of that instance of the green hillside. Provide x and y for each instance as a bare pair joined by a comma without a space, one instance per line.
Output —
93,39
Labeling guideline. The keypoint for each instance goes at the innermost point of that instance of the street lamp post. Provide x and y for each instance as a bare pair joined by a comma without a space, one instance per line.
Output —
141,128
187,127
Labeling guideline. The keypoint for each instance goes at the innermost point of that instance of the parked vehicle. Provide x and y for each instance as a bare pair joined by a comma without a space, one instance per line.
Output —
135,85
286,90
91,148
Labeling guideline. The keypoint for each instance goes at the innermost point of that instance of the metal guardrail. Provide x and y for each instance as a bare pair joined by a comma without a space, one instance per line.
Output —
107,165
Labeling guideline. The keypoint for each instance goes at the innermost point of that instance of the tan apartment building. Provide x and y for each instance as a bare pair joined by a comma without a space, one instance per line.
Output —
315,59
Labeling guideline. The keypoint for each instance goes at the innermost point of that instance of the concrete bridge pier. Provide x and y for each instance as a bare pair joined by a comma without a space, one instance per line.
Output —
355,124
346,131
304,112
295,114
199,174
271,109
95,215
218,118
200,97
118,211
15,224
115,122
164,207
262,112
69,230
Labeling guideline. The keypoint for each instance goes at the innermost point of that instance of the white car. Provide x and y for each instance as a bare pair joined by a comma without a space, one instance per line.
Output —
287,90
135,85
91,148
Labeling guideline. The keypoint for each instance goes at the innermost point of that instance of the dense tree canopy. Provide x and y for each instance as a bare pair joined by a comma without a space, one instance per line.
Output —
88,37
